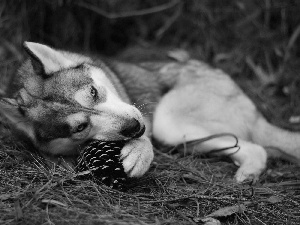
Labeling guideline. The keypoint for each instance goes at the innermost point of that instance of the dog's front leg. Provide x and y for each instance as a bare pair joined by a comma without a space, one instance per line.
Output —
137,156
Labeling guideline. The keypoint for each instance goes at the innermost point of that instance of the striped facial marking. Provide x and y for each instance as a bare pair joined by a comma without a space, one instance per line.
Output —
93,93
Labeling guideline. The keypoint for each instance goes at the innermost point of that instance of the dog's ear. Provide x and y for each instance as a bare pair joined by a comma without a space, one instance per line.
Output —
16,116
46,60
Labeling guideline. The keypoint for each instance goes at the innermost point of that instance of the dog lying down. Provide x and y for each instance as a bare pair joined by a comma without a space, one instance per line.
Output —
68,98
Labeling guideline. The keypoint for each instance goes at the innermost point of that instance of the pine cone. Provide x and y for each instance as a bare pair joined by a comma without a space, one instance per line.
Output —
101,160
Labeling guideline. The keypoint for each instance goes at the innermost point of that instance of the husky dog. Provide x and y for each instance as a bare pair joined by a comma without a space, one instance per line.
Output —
68,98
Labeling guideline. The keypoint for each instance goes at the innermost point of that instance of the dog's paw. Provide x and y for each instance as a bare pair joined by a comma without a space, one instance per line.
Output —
249,173
252,160
137,156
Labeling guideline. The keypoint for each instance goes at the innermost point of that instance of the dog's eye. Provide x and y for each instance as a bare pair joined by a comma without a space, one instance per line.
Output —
81,127
94,93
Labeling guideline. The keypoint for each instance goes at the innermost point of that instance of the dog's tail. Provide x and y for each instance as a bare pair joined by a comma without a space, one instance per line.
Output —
277,141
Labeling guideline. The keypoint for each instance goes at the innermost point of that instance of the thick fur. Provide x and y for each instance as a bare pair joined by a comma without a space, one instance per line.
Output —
176,102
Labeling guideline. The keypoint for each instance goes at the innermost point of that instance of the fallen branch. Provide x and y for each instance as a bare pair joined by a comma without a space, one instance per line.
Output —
133,13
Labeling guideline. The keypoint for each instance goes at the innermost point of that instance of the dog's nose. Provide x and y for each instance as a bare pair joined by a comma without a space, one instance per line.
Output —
133,129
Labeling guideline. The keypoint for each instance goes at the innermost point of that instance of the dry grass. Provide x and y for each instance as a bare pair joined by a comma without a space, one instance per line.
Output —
174,191
255,41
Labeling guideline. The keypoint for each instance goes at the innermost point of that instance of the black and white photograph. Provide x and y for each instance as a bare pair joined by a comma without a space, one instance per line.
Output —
159,112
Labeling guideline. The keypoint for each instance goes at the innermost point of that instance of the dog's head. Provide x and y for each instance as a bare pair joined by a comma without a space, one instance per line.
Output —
66,100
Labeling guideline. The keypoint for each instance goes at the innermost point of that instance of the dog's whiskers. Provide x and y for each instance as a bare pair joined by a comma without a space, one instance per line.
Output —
144,105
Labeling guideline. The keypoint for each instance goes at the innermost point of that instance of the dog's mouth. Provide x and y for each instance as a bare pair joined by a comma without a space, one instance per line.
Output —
116,136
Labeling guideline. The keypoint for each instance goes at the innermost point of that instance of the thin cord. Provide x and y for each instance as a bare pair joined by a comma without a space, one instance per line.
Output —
215,136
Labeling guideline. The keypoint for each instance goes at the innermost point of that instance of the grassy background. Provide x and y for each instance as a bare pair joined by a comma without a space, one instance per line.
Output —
256,42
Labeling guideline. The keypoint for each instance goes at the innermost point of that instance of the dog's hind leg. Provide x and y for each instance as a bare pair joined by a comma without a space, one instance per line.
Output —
251,158
178,121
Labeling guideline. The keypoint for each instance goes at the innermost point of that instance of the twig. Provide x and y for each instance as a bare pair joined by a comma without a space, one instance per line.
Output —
141,12
288,48
195,196
258,71
291,43
168,23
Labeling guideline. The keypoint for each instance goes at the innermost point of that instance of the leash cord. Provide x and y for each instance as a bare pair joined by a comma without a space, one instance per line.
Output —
215,136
